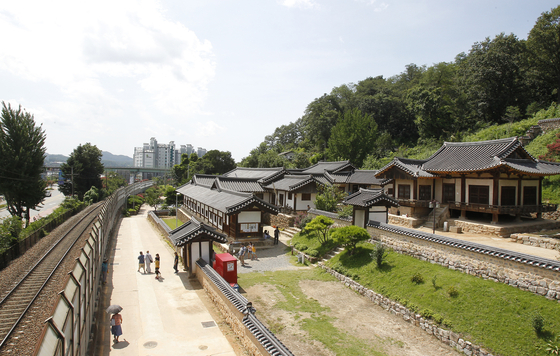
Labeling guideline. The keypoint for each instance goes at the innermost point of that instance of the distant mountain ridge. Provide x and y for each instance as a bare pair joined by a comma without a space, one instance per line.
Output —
108,159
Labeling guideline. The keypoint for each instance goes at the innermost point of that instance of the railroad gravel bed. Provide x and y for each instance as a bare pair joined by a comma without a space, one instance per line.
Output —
24,339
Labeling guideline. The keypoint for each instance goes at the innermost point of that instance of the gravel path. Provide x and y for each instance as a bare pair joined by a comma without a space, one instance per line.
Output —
269,259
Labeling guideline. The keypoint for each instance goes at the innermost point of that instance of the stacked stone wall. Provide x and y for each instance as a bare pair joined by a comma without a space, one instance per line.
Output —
523,276
549,124
448,337
537,241
283,221
504,232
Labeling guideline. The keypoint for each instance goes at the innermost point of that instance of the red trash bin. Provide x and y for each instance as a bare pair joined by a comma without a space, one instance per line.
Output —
226,266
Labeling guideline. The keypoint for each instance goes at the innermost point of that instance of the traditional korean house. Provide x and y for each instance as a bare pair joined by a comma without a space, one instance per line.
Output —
370,204
296,189
237,214
498,177
255,178
195,240
296,192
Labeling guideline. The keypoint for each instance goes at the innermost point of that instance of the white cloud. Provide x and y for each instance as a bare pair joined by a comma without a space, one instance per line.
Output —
83,48
304,4
377,6
208,129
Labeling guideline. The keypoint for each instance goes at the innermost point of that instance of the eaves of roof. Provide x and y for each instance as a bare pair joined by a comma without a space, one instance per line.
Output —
191,230
370,197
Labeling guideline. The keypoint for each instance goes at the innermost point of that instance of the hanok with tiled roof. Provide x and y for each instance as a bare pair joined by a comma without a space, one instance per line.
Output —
497,176
196,239
331,167
365,201
296,192
239,215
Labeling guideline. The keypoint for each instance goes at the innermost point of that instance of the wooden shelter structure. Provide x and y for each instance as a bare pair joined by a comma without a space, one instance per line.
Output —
365,201
195,240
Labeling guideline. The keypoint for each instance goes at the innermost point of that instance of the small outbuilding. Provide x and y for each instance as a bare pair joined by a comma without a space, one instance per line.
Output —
369,204
195,240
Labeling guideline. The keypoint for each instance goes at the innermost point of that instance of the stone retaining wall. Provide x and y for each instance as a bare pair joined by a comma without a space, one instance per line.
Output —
549,124
525,277
446,336
498,231
283,221
537,241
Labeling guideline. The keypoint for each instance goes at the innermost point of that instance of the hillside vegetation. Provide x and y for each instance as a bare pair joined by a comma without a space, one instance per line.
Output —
501,87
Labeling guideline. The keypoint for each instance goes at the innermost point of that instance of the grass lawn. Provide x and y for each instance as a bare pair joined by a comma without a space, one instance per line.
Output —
171,223
493,315
307,311
311,243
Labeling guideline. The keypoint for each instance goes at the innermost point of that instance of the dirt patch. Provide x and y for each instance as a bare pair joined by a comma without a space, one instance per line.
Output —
350,312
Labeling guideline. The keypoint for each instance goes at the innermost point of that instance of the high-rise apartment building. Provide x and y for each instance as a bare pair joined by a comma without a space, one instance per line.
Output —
161,155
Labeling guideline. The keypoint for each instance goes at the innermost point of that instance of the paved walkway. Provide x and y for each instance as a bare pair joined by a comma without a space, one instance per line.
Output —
164,317
269,259
500,242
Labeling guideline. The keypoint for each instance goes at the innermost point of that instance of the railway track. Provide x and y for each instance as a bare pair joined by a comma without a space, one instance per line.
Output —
19,300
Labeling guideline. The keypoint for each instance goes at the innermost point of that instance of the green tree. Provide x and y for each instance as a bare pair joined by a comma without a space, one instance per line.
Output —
181,172
92,196
353,137
544,45
218,162
492,77
10,228
320,225
349,236
153,197
112,182
85,165
22,156
170,195
328,198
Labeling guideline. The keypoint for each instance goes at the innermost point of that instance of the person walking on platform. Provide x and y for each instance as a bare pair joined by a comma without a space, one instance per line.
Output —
104,270
141,264
116,329
176,262
276,235
148,260
254,252
157,266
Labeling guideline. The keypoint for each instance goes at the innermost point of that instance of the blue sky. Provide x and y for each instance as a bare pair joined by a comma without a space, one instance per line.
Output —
218,74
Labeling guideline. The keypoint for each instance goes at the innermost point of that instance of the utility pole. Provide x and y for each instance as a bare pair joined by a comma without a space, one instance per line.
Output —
72,174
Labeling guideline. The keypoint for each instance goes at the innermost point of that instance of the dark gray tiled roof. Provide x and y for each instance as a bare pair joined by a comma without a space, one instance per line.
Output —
537,168
292,182
467,157
366,177
473,156
239,184
410,166
332,167
259,173
204,179
191,230
226,201
370,197
337,178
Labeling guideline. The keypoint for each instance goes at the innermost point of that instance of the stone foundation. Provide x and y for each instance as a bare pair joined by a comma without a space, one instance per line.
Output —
504,231
537,241
448,337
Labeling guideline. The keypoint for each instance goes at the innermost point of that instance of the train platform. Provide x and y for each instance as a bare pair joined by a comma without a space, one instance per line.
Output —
160,317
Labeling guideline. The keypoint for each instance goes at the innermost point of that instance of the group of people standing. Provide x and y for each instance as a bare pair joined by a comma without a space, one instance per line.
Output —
247,250
145,263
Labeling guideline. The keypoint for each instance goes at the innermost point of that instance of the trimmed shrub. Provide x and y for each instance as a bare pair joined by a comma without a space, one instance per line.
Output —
313,253
453,292
417,278
538,323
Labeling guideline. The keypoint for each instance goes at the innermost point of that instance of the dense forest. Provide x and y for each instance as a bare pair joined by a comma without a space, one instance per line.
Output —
500,80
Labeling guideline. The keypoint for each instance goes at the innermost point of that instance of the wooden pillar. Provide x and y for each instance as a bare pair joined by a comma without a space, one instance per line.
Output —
386,214
366,218
539,199
496,181
519,180
414,189
463,188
